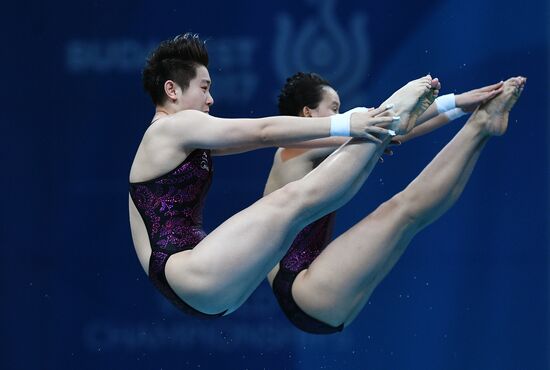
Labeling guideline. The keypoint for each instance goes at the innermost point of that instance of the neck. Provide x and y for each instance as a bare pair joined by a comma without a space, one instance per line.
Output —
162,111
159,113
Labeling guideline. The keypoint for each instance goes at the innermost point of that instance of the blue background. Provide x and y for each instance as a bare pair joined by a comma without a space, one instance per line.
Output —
471,292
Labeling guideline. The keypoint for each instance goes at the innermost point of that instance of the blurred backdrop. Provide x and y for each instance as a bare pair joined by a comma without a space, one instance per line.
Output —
471,292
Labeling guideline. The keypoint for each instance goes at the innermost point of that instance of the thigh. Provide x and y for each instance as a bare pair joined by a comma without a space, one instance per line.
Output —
225,267
343,276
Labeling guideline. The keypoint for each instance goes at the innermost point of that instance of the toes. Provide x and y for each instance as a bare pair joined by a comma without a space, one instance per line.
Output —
425,79
518,90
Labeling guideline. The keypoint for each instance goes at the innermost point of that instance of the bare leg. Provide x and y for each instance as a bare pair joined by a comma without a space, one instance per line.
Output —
224,269
339,282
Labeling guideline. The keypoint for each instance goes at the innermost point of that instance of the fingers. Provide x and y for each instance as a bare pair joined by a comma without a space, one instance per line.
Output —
373,138
377,130
385,124
491,94
387,152
380,110
497,91
491,87
385,121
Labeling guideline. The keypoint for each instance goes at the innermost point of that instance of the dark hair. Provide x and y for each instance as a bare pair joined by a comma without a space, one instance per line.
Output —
176,60
301,90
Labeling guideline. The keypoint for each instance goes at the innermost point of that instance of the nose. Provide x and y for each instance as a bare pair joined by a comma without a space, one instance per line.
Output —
209,99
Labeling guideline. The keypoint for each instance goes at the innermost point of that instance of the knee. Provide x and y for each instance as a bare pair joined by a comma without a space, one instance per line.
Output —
320,300
292,196
199,288
209,297
308,197
400,208
406,207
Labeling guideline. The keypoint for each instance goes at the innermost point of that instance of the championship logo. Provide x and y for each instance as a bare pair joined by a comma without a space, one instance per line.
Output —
324,46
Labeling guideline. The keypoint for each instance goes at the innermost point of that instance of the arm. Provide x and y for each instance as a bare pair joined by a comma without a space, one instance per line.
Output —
192,129
428,114
329,144
318,154
467,101
427,127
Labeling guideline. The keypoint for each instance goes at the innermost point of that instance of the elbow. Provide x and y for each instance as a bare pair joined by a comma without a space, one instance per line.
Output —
266,134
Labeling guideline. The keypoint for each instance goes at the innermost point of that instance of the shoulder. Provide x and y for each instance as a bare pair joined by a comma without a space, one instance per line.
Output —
291,160
181,121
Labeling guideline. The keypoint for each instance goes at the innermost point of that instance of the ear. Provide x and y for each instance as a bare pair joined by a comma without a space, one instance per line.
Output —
306,112
170,88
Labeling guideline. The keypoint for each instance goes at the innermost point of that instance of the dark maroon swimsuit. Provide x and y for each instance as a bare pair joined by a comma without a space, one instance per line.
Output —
307,245
171,208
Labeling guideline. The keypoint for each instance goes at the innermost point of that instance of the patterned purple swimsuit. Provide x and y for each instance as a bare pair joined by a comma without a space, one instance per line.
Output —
307,245
171,208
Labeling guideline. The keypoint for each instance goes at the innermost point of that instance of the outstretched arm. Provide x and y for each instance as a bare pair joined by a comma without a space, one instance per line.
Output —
193,129
467,102
329,144
426,127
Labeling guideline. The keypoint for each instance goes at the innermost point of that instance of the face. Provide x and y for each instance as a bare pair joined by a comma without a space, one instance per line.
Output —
197,96
329,105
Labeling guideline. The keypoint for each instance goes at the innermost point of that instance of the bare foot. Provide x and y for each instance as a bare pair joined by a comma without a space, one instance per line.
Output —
492,116
410,101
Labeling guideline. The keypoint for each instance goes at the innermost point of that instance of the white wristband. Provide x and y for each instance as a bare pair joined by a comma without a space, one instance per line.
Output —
340,123
454,114
445,103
